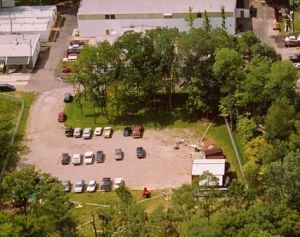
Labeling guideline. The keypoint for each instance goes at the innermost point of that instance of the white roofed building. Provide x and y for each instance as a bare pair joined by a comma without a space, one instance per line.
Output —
101,17
214,166
19,50
28,20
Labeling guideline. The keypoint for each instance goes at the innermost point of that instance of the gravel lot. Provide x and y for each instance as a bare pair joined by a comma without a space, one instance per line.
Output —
163,167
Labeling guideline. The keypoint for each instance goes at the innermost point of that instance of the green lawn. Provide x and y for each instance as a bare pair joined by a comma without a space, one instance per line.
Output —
10,108
84,210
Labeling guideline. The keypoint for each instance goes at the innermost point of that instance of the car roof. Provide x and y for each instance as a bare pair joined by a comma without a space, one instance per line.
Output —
88,153
118,180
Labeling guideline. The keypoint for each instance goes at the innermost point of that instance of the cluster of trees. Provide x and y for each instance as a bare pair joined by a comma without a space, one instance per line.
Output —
219,73
193,210
42,208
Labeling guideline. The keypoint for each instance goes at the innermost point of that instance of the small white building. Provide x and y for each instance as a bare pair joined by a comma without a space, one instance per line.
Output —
19,50
214,166
28,20
101,17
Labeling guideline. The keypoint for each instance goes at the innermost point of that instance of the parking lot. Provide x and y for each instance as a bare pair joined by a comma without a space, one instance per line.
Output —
163,166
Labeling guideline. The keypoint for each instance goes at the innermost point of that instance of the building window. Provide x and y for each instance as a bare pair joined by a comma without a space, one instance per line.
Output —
110,17
168,15
198,15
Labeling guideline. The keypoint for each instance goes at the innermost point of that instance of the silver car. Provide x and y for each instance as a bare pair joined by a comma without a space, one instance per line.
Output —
79,186
118,154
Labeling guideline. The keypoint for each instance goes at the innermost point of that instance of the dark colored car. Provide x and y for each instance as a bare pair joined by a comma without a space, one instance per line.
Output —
69,131
127,132
140,152
106,184
75,50
61,117
67,97
67,70
295,58
7,88
99,156
65,158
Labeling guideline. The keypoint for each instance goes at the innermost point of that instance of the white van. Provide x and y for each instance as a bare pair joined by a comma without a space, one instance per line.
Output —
70,58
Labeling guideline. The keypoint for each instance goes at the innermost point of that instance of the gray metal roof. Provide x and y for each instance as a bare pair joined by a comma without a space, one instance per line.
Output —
28,12
16,26
18,45
153,6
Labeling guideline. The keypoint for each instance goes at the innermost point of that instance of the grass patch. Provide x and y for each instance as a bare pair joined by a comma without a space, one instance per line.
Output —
219,133
10,108
83,212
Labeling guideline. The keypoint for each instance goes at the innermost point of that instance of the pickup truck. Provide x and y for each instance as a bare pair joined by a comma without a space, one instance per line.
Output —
137,130
107,131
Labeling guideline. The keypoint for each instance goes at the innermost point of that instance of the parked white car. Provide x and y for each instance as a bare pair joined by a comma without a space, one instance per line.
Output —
107,131
77,132
91,187
118,182
87,133
88,157
79,186
98,131
76,160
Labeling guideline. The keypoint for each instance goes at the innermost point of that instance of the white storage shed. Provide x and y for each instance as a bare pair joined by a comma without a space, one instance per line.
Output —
214,166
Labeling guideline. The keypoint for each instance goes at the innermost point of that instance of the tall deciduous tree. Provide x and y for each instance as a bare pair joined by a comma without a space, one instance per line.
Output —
227,68
245,42
280,120
165,53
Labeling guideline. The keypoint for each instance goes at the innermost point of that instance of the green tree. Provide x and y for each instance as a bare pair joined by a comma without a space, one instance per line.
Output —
190,18
206,22
19,186
223,16
291,167
50,208
245,42
246,128
165,52
282,81
280,119
227,68
252,97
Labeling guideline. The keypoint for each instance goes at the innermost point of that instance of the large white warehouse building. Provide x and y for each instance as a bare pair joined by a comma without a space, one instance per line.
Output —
113,17
28,20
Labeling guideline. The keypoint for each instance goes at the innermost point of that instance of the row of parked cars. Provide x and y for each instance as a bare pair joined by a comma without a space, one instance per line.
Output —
136,130
89,156
87,133
73,50
106,185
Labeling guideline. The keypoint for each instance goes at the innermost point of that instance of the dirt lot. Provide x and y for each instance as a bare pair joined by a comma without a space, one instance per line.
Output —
164,167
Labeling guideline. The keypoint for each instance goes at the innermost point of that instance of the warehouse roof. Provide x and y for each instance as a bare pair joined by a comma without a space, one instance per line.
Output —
18,45
29,25
153,6
28,12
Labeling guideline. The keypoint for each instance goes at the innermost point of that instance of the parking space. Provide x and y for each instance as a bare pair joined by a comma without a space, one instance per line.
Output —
163,166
